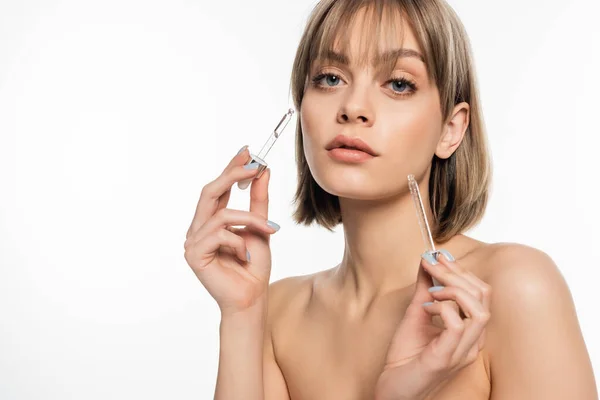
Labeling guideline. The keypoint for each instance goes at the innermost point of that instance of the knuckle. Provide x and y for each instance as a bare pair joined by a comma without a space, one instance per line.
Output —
478,294
486,290
482,317
188,256
456,327
207,190
258,219
222,235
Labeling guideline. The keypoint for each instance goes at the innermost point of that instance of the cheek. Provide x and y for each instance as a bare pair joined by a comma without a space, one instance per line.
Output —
313,114
414,130
412,135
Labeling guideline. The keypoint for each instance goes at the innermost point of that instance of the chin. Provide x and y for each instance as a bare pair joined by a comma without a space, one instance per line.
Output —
351,183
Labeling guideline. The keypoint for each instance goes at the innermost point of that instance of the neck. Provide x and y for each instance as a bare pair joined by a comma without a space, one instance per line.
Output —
383,246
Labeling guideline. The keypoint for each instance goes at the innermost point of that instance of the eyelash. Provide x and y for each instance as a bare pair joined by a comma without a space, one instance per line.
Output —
412,85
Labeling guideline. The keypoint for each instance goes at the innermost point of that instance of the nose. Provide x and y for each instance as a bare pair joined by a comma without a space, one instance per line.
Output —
356,110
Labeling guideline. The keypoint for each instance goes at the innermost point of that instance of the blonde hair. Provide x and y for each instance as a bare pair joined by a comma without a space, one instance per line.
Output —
458,185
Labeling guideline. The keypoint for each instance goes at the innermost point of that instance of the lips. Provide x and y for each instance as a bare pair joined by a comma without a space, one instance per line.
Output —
341,141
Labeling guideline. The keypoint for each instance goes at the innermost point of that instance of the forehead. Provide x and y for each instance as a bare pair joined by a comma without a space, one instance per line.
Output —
370,37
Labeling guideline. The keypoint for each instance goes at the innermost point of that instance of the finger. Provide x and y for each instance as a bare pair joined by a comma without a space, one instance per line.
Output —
448,261
445,277
227,217
242,154
474,336
448,277
245,156
469,304
208,196
441,350
209,202
477,316
211,243
485,290
259,194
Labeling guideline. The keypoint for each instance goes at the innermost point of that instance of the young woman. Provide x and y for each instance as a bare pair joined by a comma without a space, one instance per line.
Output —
385,89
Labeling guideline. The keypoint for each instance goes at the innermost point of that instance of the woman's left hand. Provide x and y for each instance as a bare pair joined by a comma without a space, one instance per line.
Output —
423,356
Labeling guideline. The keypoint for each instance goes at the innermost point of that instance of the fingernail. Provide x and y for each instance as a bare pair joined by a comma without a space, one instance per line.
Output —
427,256
242,149
247,255
253,165
435,289
429,303
447,254
273,225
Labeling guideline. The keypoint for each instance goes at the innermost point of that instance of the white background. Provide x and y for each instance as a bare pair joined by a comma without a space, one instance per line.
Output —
114,114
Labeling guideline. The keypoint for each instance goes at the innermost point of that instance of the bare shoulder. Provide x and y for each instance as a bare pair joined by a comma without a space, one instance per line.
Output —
289,296
524,280
534,345
529,299
517,269
511,267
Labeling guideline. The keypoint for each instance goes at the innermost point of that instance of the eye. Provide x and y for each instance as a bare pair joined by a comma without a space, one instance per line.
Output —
403,87
330,79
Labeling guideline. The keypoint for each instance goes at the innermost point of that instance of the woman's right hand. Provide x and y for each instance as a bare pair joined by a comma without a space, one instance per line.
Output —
424,354
233,264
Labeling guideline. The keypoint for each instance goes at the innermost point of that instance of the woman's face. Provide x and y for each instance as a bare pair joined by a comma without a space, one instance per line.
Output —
397,115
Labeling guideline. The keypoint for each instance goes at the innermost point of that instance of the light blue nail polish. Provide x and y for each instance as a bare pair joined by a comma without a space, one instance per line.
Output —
447,254
273,225
242,149
429,303
435,289
427,256
248,255
253,165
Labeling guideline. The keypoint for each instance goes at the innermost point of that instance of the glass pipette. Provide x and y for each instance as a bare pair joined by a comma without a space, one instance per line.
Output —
422,217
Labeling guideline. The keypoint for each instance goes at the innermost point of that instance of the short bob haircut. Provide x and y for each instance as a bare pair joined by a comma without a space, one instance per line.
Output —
458,185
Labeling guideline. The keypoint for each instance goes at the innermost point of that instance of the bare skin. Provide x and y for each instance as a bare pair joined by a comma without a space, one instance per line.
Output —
327,349
337,334
313,342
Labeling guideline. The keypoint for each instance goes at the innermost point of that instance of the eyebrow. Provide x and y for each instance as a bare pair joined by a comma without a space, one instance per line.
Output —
388,56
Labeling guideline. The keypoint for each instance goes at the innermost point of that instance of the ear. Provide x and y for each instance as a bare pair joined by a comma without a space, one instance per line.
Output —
453,131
